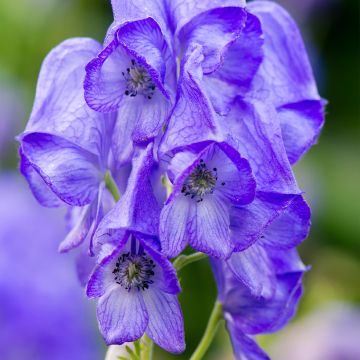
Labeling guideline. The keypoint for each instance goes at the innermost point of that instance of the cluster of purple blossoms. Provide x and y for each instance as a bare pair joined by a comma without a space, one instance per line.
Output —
194,112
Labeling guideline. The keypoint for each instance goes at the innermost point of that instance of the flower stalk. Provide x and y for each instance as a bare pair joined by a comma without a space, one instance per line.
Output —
111,186
210,331
184,260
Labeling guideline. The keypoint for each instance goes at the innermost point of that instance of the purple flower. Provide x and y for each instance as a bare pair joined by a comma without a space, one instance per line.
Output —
241,61
64,149
134,74
136,284
137,288
285,78
263,227
205,186
247,315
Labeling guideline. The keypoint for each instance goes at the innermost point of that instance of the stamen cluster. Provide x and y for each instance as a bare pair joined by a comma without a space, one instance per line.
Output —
200,182
134,271
138,81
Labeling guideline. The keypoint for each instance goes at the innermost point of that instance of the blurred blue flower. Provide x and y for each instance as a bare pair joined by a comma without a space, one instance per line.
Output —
43,311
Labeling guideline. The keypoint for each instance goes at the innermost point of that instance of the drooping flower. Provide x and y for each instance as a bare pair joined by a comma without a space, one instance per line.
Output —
135,74
286,79
137,288
135,283
205,185
252,129
247,315
65,147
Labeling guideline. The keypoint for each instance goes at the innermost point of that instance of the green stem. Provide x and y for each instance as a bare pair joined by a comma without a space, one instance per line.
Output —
183,260
167,184
111,186
146,348
211,328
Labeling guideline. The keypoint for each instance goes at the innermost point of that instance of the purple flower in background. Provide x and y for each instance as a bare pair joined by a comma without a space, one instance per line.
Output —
64,149
247,315
329,332
136,284
205,185
43,311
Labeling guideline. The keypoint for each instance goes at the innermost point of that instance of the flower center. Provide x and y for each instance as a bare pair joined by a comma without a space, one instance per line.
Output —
200,182
134,271
138,81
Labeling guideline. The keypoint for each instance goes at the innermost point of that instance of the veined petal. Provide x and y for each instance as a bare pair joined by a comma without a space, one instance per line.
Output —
224,24
165,325
235,179
248,222
176,225
285,78
244,347
79,232
301,124
290,228
71,172
257,315
193,119
211,228
244,56
122,316
121,144
59,106
137,210
181,11
255,270
126,11
256,130
41,191
286,67
150,118
286,261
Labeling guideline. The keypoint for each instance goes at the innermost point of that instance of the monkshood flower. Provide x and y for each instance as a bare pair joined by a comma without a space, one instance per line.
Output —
192,125
137,288
263,58
247,315
43,312
205,185
135,74
286,79
64,148
136,284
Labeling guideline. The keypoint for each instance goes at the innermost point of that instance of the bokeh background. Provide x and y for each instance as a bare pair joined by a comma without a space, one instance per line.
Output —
43,311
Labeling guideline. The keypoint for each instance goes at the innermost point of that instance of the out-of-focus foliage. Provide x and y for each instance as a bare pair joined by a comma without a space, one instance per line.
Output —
329,173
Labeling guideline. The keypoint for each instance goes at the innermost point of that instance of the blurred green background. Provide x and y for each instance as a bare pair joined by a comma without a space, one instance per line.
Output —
329,174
